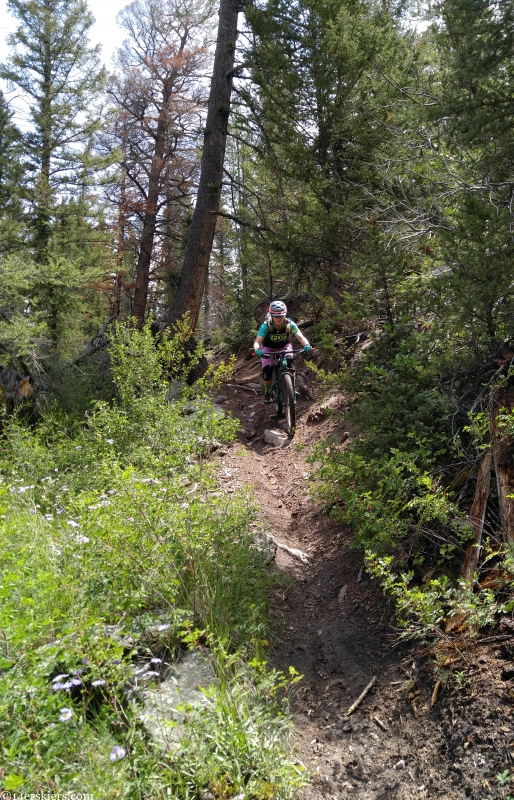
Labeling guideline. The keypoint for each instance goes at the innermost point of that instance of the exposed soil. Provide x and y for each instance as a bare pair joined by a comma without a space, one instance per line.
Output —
337,630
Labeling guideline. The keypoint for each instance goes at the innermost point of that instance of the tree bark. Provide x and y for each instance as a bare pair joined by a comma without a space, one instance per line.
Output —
191,285
503,401
150,219
469,566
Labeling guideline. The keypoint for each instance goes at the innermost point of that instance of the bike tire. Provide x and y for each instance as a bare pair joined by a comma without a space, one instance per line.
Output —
288,401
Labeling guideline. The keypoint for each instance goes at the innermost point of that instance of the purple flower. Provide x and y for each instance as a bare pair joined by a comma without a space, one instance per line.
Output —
98,682
72,523
60,677
163,627
66,713
156,661
75,681
117,752
58,686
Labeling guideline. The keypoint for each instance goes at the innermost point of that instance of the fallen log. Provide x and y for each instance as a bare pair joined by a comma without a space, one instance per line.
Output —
240,386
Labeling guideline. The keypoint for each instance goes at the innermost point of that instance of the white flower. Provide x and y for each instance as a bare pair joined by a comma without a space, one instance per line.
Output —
72,523
110,441
81,539
66,713
163,627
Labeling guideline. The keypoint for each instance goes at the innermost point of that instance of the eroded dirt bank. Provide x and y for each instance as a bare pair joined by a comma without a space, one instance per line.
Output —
337,630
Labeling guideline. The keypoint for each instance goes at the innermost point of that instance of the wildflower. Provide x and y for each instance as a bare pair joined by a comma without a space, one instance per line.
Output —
156,661
31,690
81,539
66,713
111,441
75,681
61,676
98,682
59,510
72,523
53,725
150,674
78,447
163,627
117,752
49,517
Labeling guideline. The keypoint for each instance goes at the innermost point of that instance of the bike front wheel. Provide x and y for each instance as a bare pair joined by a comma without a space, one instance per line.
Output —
288,402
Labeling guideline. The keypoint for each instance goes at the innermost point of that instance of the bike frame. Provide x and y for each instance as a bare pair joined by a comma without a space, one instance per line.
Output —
281,366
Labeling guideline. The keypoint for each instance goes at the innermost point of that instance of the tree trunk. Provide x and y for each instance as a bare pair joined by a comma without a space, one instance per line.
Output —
469,566
191,285
150,220
503,402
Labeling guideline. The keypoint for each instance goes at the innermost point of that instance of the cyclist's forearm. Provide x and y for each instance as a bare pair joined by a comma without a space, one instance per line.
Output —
301,338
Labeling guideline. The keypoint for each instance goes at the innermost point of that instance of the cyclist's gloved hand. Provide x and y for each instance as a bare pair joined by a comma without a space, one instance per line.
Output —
307,349
259,353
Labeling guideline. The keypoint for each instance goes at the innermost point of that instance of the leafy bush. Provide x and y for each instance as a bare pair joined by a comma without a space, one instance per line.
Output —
421,610
390,500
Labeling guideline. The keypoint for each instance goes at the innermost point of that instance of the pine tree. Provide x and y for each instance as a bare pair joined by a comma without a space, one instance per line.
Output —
56,70
12,172
159,92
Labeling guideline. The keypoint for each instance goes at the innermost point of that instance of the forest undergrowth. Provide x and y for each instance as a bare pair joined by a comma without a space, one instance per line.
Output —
112,526
427,418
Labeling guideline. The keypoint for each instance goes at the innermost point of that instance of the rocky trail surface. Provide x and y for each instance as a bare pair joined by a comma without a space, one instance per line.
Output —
404,741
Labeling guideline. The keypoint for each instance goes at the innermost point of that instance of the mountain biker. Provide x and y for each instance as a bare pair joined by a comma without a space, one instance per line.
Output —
275,334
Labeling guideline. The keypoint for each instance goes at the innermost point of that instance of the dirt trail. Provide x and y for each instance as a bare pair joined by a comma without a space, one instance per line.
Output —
337,631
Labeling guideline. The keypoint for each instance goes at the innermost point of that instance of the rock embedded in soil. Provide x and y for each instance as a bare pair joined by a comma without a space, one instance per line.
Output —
276,438
160,715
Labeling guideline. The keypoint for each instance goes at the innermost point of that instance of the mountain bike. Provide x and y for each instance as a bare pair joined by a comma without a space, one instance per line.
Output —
282,388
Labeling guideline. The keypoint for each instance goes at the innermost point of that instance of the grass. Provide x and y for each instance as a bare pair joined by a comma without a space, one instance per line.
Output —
116,546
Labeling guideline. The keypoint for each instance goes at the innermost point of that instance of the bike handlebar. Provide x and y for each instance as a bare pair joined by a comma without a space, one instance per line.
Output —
281,353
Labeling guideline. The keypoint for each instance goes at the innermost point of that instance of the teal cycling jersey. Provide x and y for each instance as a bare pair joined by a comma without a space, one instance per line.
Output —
277,337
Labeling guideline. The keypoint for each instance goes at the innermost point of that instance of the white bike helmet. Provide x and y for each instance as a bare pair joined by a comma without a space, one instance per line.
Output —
278,308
